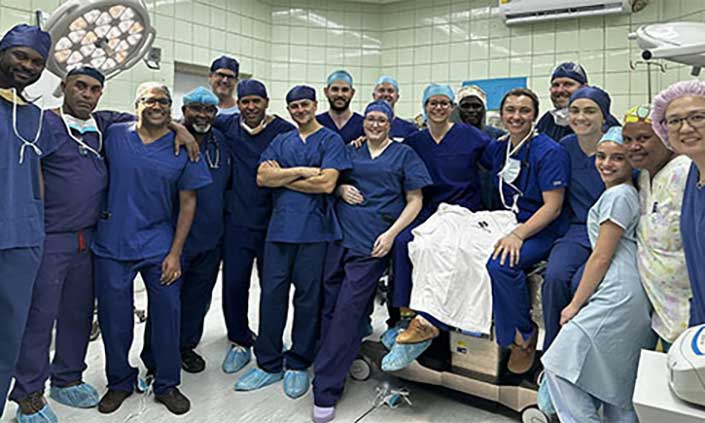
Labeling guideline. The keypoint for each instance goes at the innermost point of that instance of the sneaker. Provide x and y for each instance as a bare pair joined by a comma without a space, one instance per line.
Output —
402,355
257,378
79,395
296,383
323,414
34,409
419,330
175,401
112,400
191,362
236,358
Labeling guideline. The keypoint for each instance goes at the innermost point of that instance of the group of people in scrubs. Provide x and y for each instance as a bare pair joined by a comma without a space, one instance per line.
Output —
328,203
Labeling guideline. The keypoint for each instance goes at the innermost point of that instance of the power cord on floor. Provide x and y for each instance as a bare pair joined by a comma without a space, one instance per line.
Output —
386,395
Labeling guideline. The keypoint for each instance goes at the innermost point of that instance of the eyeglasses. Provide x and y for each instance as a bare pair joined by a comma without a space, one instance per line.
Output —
439,104
151,101
223,75
379,122
695,120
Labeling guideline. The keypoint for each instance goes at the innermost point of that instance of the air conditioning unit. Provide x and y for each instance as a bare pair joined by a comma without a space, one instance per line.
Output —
529,11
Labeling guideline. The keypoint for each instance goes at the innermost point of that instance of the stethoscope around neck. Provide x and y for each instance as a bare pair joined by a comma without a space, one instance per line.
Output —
213,160
524,165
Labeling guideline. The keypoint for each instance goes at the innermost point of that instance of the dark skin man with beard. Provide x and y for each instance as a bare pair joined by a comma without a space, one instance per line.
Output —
339,118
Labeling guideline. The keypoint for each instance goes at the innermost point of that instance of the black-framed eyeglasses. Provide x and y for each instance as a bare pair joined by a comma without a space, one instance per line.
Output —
223,75
695,120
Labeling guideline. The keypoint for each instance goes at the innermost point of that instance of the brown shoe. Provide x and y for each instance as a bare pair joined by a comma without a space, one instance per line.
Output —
32,403
521,357
419,330
175,401
112,400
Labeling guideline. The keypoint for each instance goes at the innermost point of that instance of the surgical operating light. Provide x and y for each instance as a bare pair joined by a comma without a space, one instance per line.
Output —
109,35
680,42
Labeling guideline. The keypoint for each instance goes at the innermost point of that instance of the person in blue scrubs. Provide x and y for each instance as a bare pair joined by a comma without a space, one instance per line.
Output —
339,118
23,54
678,117
248,208
533,173
223,78
140,232
302,168
565,80
202,251
378,198
387,89
75,178
588,110
472,109
451,153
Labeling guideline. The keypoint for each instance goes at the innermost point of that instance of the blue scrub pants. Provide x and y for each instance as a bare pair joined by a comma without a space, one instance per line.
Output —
241,247
349,286
563,273
200,272
115,292
63,293
574,405
302,266
18,270
510,291
401,281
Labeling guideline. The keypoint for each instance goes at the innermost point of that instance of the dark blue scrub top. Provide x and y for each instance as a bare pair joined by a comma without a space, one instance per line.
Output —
383,182
350,132
21,206
493,132
143,195
545,166
547,126
74,183
249,205
299,217
693,235
209,222
402,129
453,166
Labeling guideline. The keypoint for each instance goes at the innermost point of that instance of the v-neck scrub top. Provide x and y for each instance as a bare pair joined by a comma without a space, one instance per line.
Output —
352,129
145,180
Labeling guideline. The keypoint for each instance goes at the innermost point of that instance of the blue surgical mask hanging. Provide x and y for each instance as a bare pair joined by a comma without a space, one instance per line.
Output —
510,172
83,126
560,116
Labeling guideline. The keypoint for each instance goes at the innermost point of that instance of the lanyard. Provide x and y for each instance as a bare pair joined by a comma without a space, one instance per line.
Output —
83,147
25,142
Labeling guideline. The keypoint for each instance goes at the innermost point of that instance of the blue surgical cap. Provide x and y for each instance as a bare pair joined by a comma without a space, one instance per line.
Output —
613,134
340,75
570,70
200,95
388,80
24,35
596,94
437,89
300,92
88,71
225,62
380,106
251,87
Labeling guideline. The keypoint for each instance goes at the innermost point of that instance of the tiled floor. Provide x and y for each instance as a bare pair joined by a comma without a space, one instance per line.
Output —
213,399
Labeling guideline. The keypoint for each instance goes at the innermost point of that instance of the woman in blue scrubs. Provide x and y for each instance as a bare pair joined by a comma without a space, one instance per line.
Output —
141,233
679,120
533,172
592,363
379,197
451,153
588,110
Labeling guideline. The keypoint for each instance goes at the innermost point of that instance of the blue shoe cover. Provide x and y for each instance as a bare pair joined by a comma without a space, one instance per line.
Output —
295,383
402,355
236,358
80,396
45,415
389,337
544,398
257,378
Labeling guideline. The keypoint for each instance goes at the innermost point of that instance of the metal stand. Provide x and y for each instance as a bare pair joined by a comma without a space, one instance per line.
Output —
634,64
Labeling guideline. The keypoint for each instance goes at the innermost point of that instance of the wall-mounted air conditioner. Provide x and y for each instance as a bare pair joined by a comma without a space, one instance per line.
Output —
529,11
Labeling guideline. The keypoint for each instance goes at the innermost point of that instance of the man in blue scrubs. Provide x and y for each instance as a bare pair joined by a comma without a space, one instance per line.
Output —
139,232
23,53
248,209
302,168
223,79
339,118
75,179
472,110
387,89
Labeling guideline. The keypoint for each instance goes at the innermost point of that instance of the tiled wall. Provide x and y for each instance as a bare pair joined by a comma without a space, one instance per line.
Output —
285,42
